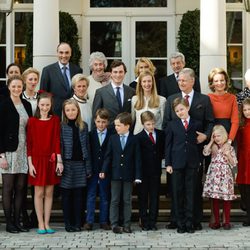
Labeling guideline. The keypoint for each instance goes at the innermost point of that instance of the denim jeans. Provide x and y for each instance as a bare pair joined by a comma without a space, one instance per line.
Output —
104,193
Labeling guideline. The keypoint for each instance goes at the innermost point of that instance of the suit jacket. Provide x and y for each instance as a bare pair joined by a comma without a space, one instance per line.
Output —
105,98
151,154
181,148
201,110
124,164
98,151
9,124
169,86
52,81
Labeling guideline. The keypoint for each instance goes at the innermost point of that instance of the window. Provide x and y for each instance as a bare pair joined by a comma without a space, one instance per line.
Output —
2,47
128,3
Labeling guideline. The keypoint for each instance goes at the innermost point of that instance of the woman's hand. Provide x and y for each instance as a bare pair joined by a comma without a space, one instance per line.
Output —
3,163
32,170
59,168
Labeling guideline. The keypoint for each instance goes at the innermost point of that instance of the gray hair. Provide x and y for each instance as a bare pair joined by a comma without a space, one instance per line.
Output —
187,71
97,56
247,75
79,77
176,55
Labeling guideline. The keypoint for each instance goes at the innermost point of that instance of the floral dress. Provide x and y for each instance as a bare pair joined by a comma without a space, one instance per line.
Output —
219,182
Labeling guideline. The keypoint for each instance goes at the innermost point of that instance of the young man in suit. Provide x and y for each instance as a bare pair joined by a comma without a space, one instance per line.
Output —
116,96
56,77
182,159
151,143
169,84
200,109
98,137
123,160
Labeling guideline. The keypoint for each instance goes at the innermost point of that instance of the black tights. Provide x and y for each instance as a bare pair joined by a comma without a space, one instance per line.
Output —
13,188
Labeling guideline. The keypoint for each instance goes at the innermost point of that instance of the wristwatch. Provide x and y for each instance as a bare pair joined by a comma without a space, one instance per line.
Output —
2,156
229,141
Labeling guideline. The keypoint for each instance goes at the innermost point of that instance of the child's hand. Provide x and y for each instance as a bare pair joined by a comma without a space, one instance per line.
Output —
59,168
3,163
201,137
102,175
32,171
169,169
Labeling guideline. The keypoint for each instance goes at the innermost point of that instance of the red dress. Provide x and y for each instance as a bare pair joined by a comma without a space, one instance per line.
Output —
243,153
43,142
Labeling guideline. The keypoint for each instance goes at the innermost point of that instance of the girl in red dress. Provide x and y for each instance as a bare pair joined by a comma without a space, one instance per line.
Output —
243,153
44,158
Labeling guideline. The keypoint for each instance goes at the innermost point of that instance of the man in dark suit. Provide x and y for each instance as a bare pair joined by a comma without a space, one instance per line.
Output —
169,84
201,110
116,96
56,77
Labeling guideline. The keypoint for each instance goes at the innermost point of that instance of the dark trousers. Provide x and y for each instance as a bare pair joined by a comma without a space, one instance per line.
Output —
245,197
149,200
183,184
72,203
116,187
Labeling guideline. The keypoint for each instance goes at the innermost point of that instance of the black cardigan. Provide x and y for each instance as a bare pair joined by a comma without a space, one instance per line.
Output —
9,124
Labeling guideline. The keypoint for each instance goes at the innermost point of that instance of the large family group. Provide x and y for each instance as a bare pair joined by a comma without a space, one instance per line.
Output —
93,136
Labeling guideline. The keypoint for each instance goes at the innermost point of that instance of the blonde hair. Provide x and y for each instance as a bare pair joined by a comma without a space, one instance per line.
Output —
79,122
214,72
147,61
79,77
29,71
154,101
221,130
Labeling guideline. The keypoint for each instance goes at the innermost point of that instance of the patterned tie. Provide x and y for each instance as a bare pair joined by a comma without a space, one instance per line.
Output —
65,77
185,124
122,138
118,97
100,138
151,137
187,98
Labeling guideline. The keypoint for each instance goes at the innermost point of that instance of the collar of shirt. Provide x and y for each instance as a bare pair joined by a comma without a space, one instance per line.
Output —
188,119
191,95
62,65
115,86
104,132
153,133
25,96
125,135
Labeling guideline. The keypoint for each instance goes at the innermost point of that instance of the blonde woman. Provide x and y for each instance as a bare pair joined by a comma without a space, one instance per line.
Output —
146,98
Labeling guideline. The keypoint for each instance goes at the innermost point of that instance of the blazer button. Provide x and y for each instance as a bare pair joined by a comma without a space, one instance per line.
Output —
122,155
121,164
99,158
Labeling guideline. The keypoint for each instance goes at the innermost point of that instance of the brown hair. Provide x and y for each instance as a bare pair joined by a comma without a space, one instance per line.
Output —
44,95
14,77
147,61
124,118
241,115
117,63
214,72
102,113
14,64
178,101
154,101
79,120
147,116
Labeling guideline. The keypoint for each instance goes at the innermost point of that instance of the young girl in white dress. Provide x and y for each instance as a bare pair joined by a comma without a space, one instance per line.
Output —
219,184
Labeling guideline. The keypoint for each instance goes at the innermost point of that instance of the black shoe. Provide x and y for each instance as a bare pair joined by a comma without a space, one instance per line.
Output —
171,225
181,230
77,229
127,230
117,230
190,230
105,226
88,227
21,228
246,224
197,227
69,229
11,229
145,228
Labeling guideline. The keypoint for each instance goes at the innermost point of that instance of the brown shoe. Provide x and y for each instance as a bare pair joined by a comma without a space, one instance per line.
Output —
105,226
88,227
117,230
127,230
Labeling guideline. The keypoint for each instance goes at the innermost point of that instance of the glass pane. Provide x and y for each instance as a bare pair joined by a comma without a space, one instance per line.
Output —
21,21
235,61
19,55
3,62
233,1
234,27
2,28
106,37
161,68
23,1
128,3
237,83
151,39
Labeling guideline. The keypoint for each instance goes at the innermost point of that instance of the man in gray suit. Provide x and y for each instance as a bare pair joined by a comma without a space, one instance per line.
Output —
116,96
56,77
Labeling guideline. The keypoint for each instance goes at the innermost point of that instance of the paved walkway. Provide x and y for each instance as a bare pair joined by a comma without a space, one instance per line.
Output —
237,238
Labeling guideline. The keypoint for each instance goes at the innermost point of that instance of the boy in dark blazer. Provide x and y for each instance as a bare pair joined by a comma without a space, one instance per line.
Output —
123,160
151,143
99,137
182,159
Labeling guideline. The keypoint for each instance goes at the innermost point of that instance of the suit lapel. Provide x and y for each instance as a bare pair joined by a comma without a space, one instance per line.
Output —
58,72
194,102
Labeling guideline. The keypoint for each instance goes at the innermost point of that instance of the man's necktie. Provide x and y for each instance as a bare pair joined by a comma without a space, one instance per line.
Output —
151,137
100,137
185,124
66,80
118,97
122,137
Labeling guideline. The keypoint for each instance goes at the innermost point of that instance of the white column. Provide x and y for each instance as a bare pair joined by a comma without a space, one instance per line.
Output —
247,41
45,32
212,38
